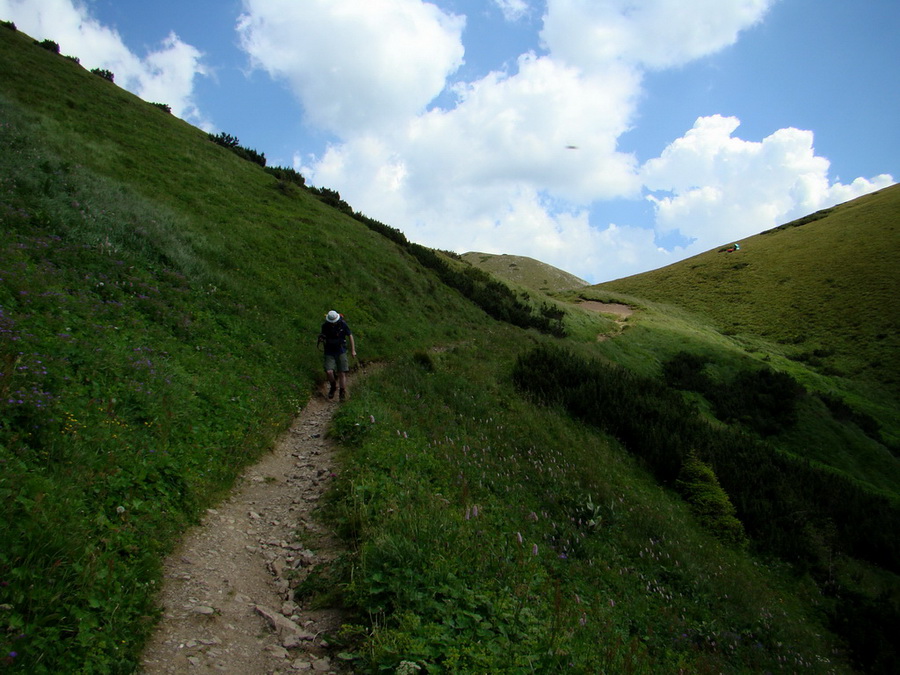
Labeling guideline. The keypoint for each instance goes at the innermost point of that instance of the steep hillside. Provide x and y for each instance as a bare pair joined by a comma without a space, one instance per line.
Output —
511,500
526,272
160,299
823,287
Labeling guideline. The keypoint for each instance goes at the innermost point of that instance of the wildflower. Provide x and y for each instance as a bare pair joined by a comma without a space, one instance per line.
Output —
372,419
519,537
120,509
534,549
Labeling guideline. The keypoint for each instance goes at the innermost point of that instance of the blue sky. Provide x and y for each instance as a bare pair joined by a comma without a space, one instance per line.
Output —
606,137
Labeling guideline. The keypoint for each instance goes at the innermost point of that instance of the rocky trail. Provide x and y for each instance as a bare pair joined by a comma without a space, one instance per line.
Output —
227,597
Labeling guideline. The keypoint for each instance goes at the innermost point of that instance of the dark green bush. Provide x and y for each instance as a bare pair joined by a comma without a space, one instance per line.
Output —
423,359
685,371
843,412
163,106
49,45
105,74
333,199
709,502
804,514
287,174
494,297
763,400
782,501
232,143
8,24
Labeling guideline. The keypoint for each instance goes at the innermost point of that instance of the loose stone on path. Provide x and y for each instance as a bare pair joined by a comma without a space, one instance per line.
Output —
228,593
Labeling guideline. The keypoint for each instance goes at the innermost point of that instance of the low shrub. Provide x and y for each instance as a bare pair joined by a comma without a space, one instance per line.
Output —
287,174
703,492
49,45
781,501
105,74
804,514
763,400
232,143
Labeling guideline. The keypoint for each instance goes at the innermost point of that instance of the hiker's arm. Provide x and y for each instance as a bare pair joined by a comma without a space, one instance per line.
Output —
352,345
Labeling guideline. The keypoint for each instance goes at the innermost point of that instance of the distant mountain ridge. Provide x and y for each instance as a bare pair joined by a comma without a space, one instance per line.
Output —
525,271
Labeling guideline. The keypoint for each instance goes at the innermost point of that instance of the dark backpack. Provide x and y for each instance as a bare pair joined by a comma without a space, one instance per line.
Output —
334,334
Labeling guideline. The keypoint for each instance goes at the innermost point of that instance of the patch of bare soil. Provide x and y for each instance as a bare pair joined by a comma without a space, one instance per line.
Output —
227,597
621,312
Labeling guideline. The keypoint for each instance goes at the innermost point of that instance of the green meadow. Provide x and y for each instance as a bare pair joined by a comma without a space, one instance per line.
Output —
526,486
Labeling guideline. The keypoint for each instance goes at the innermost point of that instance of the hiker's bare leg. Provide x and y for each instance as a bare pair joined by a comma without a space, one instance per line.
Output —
342,383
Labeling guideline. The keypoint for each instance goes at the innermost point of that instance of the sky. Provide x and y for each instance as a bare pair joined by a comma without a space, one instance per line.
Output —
604,137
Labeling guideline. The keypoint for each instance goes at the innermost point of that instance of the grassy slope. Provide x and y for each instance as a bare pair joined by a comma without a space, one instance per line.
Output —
291,255
109,195
527,272
818,290
812,298
160,303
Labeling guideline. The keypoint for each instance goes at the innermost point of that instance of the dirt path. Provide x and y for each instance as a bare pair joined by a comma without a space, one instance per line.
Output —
227,594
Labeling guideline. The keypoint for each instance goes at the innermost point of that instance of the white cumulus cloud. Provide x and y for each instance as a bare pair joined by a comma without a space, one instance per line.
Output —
719,187
513,10
523,160
647,33
515,160
355,65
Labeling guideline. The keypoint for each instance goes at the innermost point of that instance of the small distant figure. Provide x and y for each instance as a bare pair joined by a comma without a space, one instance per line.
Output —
731,249
334,335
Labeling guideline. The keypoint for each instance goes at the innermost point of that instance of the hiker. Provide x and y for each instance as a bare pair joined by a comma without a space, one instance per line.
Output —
334,333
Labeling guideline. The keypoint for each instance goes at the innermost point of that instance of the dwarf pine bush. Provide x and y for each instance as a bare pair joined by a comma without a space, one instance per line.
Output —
701,489
104,73
50,46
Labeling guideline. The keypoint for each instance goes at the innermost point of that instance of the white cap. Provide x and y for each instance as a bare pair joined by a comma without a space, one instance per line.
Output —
332,316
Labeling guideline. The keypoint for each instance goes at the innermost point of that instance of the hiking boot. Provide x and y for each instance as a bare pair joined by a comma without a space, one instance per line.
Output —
331,390
343,394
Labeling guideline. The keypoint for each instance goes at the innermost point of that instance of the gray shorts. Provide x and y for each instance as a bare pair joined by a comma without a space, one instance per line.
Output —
338,363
